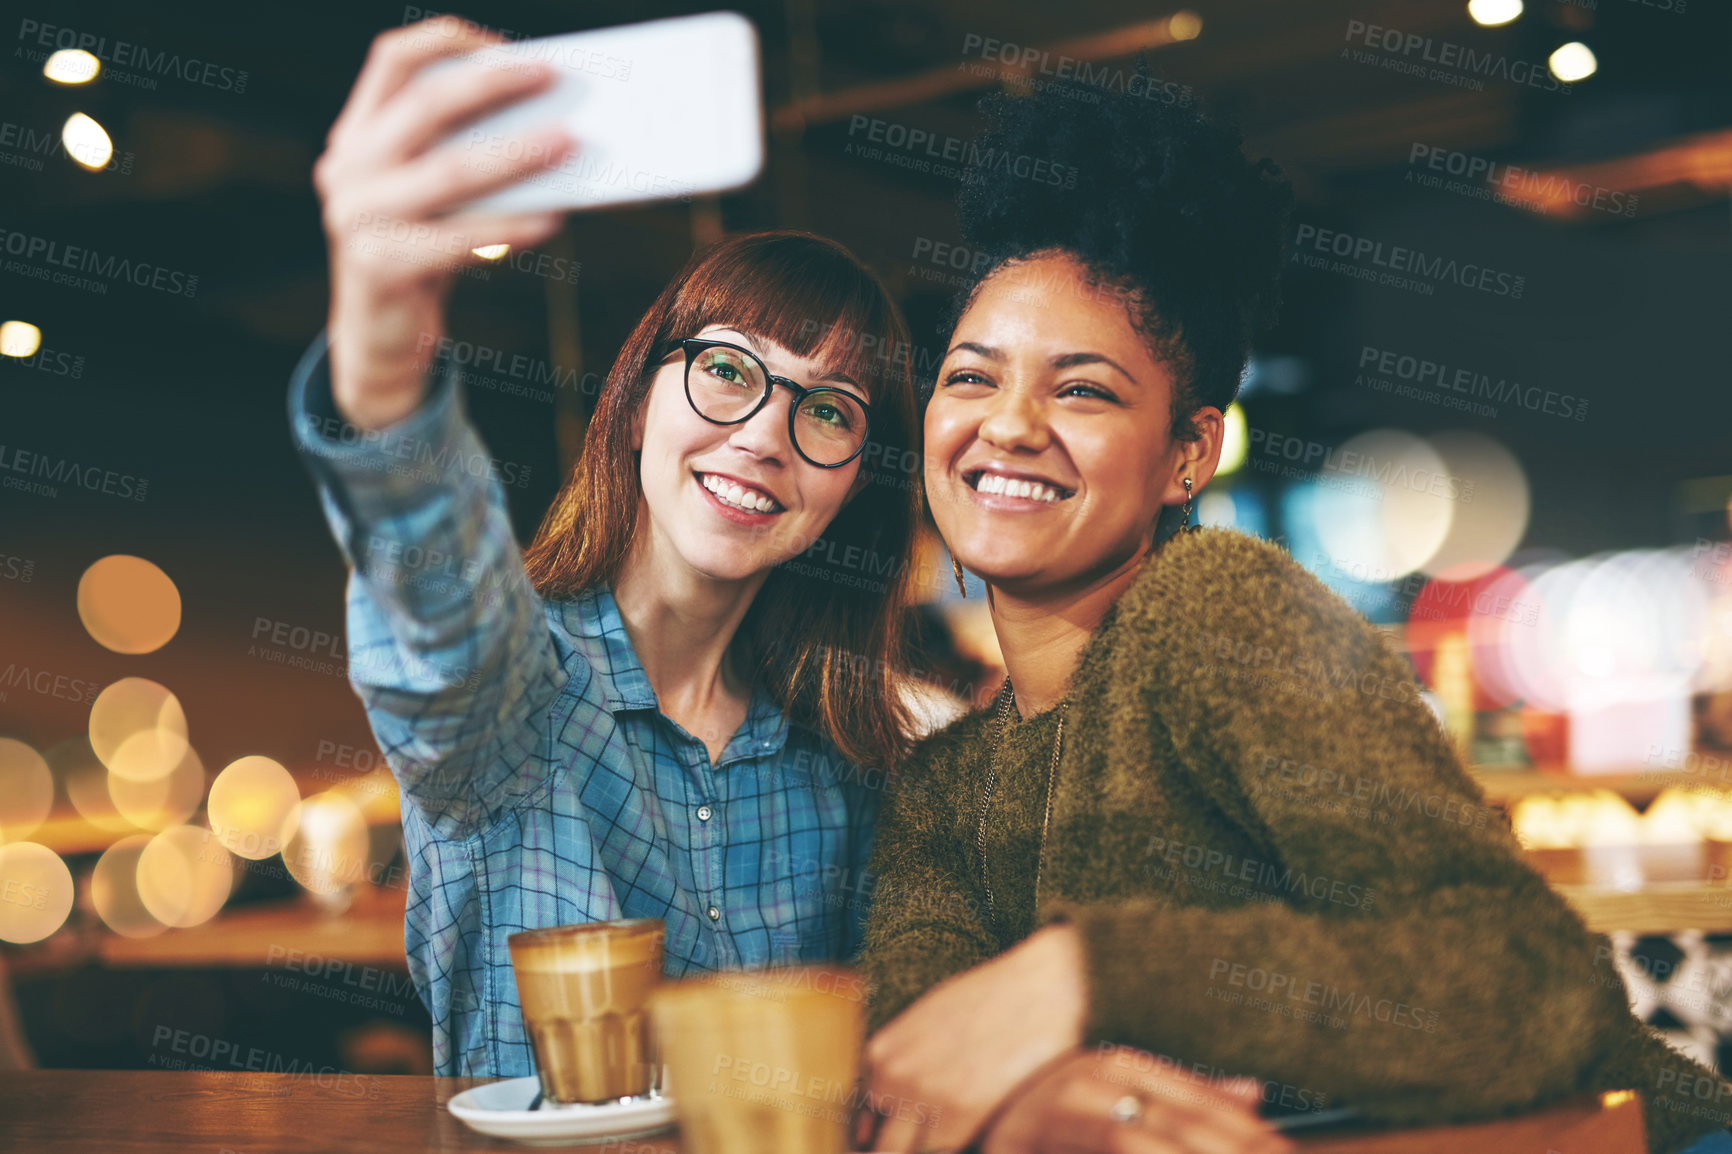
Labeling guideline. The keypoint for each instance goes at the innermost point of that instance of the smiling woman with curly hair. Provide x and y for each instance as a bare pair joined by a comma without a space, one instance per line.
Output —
1144,843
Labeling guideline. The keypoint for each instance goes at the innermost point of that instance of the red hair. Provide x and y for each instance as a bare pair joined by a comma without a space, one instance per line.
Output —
824,635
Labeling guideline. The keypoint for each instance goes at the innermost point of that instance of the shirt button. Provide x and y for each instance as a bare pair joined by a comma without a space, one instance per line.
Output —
705,813
715,914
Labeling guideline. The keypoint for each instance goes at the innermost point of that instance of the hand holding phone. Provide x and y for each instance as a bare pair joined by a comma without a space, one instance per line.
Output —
392,206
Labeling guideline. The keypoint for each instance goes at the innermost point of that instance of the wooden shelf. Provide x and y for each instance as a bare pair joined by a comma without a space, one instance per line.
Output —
369,932
1666,908
70,834
1507,786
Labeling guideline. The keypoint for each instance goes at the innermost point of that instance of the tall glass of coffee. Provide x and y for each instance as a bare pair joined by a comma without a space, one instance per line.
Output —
763,1062
584,991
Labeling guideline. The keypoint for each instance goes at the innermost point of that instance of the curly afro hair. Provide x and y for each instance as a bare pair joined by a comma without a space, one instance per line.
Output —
1157,202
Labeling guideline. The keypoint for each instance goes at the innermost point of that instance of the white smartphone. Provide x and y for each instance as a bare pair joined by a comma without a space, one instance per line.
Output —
664,109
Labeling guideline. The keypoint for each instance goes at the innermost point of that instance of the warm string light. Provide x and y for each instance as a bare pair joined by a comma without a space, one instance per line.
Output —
1494,13
1573,62
19,339
37,888
137,729
164,801
71,66
114,890
184,876
1601,817
87,142
250,802
128,604
26,790
327,850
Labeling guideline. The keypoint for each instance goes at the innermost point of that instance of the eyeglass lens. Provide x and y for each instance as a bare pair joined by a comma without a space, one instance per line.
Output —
725,385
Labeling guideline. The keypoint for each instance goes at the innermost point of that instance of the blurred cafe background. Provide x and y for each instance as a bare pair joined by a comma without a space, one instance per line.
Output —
1494,417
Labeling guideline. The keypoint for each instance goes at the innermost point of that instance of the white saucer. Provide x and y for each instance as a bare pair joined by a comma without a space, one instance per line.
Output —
501,1109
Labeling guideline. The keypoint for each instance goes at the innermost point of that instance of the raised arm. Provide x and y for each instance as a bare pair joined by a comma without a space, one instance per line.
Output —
447,644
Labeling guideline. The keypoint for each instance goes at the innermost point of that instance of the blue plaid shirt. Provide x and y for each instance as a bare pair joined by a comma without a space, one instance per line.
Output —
541,785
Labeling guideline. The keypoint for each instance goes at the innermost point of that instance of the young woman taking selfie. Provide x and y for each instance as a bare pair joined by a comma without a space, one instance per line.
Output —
642,715
1117,851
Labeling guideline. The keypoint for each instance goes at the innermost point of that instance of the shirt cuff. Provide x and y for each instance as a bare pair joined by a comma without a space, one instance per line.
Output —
382,470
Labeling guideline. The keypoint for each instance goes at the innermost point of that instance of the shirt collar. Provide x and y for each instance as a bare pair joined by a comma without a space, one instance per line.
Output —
765,732
598,632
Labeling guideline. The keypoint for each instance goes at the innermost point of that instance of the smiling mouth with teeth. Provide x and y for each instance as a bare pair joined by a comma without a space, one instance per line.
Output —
732,495
996,484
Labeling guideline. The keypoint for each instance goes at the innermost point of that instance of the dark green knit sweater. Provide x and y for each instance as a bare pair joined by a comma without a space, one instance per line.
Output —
1277,865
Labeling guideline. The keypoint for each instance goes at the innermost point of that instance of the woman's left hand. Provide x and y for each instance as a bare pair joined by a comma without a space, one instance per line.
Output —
1113,1101
944,1065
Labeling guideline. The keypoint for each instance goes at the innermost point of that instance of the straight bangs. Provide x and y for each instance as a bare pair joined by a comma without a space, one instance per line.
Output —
814,299
824,636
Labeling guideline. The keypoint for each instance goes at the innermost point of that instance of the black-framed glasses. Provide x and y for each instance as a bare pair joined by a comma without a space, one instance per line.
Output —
727,385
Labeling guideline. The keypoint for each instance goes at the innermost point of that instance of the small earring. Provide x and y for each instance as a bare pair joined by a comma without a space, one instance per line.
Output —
956,568
1185,513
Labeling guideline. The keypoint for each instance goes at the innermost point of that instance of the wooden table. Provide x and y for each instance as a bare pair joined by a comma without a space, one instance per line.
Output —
134,1111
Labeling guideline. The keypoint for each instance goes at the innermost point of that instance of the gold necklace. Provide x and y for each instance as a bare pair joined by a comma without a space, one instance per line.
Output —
1007,702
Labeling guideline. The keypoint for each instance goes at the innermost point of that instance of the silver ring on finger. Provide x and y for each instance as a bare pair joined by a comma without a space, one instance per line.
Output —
1128,1110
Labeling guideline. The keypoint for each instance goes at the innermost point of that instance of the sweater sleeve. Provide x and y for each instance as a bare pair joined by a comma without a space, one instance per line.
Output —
1396,953
925,924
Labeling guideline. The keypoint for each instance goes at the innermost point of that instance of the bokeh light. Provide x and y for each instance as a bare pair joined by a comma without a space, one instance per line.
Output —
26,790
1383,506
1634,616
1494,13
1678,816
376,793
1216,509
328,849
1234,441
1572,62
87,142
128,604
1617,643
491,251
1453,613
19,339
85,779
35,892
138,729
250,801
1491,515
1595,818
1184,25
114,890
168,800
184,876
1532,656
1715,676
1681,815
1511,604
71,66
